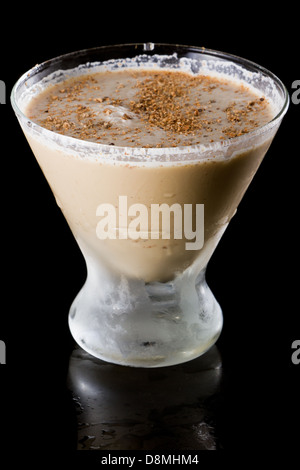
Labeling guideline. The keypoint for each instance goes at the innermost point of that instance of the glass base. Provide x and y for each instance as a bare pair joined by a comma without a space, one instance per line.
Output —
129,322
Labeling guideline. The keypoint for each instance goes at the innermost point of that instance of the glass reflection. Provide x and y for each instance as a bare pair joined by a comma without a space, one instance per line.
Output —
123,408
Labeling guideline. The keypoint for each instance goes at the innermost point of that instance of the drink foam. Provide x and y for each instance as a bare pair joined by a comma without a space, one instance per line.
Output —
256,83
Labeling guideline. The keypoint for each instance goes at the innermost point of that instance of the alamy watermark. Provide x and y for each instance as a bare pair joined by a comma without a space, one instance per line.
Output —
138,221
2,92
296,94
2,352
295,357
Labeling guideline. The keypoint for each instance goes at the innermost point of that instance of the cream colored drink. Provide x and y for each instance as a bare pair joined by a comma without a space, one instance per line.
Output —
148,149
156,109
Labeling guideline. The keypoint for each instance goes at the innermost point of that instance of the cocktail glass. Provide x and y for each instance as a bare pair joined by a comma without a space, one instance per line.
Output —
145,302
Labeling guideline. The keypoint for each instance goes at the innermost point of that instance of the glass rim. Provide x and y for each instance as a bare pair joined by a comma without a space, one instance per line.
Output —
147,152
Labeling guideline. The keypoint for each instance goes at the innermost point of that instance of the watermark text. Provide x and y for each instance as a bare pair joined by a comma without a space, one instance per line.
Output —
296,94
2,92
157,221
2,352
296,353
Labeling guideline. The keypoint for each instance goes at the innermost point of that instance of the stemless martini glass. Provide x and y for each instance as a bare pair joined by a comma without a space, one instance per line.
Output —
145,302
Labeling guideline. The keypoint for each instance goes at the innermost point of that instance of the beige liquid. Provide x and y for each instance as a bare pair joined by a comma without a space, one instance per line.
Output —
81,184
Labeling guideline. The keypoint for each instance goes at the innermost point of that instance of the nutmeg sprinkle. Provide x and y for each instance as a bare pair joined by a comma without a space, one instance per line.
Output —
143,108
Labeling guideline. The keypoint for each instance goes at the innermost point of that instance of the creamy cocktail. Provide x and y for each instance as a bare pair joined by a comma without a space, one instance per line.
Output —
148,156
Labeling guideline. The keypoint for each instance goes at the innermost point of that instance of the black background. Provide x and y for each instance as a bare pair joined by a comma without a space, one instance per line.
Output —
253,273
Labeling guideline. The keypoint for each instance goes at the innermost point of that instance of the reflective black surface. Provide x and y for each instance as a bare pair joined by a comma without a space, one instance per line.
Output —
121,408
